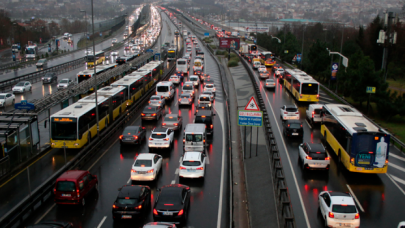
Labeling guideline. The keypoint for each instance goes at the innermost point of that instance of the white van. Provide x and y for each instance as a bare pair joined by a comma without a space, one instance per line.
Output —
205,99
165,89
195,80
194,137
182,66
256,64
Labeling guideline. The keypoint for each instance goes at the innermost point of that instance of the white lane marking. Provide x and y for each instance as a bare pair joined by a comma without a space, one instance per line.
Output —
45,213
221,189
397,179
397,157
396,184
102,221
207,159
129,180
309,125
291,166
396,166
177,171
173,181
355,198
181,159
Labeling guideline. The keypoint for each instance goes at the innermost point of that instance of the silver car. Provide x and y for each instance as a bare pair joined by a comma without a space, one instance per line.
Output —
157,101
64,83
270,84
172,121
185,99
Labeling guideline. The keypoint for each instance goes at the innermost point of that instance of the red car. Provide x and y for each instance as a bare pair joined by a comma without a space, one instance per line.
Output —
73,186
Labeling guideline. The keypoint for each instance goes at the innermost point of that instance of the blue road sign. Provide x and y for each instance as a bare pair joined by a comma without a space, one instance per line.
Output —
24,105
206,34
298,57
370,89
335,67
250,118
149,50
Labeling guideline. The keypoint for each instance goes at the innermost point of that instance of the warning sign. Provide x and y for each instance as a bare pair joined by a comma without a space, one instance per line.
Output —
252,105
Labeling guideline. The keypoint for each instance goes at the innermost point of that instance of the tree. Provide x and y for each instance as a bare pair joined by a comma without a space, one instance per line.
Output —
318,57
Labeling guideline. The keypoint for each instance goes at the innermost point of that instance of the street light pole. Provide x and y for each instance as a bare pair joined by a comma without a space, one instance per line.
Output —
94,65
85,35
302,47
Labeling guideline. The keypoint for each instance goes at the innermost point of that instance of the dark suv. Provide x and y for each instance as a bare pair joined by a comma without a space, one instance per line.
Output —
206,117
49,77
293,128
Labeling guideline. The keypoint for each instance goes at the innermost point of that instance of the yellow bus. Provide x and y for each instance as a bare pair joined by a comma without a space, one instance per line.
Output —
76,124
98,58
302,86
135,87
267,59
360,145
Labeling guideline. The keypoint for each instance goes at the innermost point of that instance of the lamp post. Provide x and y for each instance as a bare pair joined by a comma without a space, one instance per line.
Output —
85,35
302,47
94,65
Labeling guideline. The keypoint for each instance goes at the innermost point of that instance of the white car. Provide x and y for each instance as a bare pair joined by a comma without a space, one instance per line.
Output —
157,101
338,209
270,84
313,156
192,165
21,87
185,99
314,113
209,88
146,167
210,94
262,69
114,53
195,80
114,41
161,138
64,83
6,99
188,50
289,112
174,79
195,42
204,99
279,72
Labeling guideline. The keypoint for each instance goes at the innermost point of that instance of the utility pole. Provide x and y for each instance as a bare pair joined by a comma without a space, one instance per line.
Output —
94,65
387,38
85,35
302,47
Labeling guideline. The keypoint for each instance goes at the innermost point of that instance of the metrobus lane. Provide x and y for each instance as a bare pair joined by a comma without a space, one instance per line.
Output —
113,168
378,198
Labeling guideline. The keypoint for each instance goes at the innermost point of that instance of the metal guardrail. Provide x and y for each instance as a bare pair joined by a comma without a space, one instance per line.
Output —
284,207
18,214
4,165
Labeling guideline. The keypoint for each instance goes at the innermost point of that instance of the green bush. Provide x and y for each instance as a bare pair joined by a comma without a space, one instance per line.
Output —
213,46
235,58
233,55
42,56
232,63
46,55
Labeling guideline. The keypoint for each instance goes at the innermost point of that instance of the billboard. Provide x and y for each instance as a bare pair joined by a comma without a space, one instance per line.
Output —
229,43
257,29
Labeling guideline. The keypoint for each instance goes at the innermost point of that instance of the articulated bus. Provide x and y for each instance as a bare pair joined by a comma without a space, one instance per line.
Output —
134,86
360,145
98,58
87,74
171,54
76,124
302,86
267,59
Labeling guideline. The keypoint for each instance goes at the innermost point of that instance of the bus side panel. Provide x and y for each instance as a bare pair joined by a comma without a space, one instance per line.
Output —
287,84
93,131
335,145
101,123
138,94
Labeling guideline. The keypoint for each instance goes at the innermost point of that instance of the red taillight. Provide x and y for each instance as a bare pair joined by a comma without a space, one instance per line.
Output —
155,212
308,158
133,171
153,114
285,112
181,212
149,102
189,100
267,84
166,139
150,171
331,215
135,137
78,192
212,126
180,99
317,96
176,124
142,114
121,136
54,191
297,113
184,140
181,167
138,207
150,139
115,206
200,168
163,124
327,158
357,216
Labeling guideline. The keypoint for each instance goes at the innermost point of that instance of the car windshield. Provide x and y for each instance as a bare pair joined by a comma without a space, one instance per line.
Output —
2,97
174,77
318,155
65,186
20,84
209,86
191,163
131,131
308,88
193,79
149,109
344,208
181,62
42,61
155,98
291,109
143,163
187,87
205,98
162,88
184,96
193,138
203,119
317,111
295,125
158,135
270,80
170,118
64,81
126,201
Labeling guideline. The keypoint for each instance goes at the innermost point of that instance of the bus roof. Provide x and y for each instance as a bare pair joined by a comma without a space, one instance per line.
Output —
301,76
125,81
79,108
97,52
109,90
90,71
351,119
267,53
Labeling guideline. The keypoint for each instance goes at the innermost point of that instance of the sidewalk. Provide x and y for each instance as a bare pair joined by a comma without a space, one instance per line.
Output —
256,163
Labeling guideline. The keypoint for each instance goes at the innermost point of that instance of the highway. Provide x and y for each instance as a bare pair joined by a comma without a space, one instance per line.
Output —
378,195
52,160
69,57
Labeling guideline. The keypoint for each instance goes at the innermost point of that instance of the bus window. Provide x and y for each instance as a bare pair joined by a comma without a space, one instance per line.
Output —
309,88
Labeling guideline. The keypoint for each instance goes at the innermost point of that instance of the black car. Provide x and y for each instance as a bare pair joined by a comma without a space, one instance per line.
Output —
152,113
208,81
121,60
206,117
133,135
172,204
49,77
132,201
293,128
52,224
202,107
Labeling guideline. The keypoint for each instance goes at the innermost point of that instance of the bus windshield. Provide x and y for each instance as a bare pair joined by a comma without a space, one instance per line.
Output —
309,88
90,58
30,51
83,77
64,128
171,54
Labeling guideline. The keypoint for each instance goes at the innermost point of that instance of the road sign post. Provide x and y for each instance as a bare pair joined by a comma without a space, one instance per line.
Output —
253,117
370,90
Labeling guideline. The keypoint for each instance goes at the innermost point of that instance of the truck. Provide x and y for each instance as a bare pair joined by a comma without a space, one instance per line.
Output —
234,34
31,51
14,48
244,49
314,113
176,33
185,34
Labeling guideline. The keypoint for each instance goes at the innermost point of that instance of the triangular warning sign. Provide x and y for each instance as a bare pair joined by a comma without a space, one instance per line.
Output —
252,105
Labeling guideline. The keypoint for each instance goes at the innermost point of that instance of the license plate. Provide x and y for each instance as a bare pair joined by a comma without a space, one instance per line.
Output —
344,224
158,143
167,213
294,133
127,216
127,139
141,172
66,195
148,114
368,168
190,170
